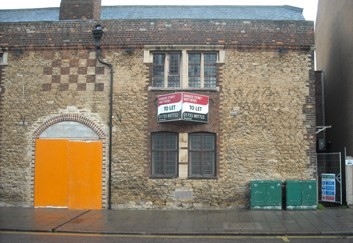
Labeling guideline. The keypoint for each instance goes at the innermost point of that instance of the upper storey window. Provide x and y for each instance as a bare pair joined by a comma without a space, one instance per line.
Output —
166,70
184,68
202,70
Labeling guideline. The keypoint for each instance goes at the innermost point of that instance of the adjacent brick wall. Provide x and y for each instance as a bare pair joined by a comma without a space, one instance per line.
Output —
137,33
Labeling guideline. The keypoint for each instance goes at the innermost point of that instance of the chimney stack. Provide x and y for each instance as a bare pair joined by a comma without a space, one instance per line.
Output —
80,9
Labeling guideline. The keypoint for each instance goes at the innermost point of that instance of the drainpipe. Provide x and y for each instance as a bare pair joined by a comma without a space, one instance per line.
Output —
97,34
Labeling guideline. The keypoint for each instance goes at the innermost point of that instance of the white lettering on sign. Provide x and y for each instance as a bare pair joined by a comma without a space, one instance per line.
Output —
169,99
173,115
199,116
193,98
166,99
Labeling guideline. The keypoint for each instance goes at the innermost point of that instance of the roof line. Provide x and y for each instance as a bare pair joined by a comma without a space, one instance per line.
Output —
162,6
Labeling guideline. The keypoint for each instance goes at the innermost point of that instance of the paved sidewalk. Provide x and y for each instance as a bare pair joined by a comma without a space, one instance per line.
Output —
175,222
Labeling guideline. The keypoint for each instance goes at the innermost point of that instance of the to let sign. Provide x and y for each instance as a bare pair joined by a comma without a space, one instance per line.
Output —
182,106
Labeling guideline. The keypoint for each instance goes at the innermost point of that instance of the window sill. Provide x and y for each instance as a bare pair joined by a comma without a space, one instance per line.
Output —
150,88
202,178
177,177
163,177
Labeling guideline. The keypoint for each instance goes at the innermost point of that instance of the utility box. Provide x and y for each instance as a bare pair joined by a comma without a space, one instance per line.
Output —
266,194
301,194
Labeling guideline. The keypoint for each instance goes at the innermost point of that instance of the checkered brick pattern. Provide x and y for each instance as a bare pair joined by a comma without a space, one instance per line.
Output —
75,73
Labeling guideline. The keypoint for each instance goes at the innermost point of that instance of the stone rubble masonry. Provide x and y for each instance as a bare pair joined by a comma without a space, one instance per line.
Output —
29,110
272,135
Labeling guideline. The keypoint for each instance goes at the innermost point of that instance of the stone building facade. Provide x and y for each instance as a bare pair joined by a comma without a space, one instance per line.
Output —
257,76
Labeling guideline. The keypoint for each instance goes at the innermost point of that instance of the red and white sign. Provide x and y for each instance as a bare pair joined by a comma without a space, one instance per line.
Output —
183,106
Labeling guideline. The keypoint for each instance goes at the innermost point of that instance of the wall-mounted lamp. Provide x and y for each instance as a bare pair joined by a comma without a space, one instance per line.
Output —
97,35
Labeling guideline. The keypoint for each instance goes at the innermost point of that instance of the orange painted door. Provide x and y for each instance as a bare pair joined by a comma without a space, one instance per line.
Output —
85,175
68,174
51,173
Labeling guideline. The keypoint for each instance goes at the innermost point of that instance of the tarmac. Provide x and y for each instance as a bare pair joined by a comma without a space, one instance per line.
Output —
179,222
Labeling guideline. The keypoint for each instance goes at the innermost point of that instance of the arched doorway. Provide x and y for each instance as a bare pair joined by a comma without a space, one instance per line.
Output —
68,167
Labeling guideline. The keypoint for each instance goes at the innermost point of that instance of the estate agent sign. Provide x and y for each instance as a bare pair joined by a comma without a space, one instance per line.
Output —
182,106
328,187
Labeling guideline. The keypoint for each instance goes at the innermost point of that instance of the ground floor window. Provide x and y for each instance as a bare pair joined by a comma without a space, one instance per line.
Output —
184,155
202,155
164,154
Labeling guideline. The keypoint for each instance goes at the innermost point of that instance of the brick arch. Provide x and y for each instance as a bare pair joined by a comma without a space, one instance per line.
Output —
96,126
70,117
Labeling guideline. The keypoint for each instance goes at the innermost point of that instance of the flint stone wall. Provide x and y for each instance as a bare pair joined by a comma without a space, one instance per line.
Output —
266,108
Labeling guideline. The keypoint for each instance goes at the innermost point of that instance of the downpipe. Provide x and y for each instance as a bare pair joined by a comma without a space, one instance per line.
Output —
98,53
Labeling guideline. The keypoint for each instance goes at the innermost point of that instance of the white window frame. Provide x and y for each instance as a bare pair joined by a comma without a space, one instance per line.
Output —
3,59
184,82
